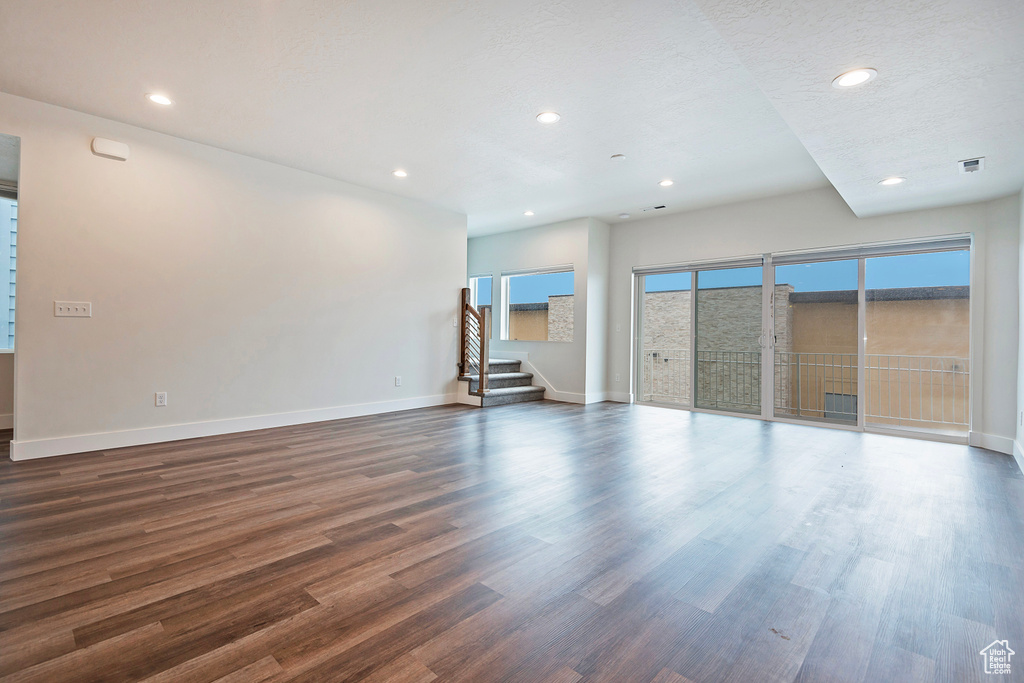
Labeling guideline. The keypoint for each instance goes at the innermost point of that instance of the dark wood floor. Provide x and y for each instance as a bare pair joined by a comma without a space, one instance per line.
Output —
535,542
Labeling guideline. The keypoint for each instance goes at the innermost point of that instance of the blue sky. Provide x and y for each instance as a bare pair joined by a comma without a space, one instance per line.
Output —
529,289
914,270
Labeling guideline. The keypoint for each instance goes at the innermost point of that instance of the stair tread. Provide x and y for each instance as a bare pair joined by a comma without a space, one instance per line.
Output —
497,375
530,389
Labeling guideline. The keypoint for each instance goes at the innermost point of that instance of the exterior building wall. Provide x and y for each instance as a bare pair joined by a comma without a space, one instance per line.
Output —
528,325
917,360
560,317
552,321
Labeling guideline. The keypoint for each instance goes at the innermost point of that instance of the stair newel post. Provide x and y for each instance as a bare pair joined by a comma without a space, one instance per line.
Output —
485,347
463,350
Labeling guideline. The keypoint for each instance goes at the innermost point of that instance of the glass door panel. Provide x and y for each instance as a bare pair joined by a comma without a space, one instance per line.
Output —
815,362
728,334
665,363
917,327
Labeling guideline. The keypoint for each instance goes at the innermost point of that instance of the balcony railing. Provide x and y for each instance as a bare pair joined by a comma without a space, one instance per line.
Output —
729,380
918,391
816,385
929,392
726,380
666,376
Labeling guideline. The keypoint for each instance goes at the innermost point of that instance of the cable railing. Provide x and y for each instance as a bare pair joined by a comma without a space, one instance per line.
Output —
924,392
474,342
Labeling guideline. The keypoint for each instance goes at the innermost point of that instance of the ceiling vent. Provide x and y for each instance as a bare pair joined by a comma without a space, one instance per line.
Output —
652,208
971,165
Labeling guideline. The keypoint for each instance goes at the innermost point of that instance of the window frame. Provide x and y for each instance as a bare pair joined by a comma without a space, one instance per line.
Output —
506,278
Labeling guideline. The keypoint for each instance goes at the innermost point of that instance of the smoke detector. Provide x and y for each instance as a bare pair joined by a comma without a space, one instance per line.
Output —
971,165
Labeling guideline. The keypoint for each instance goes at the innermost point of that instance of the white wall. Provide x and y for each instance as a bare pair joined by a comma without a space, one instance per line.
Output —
240,287
562,367
1018,450
598,263
820,218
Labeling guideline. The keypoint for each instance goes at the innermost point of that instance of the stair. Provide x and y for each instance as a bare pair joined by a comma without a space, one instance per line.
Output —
506,384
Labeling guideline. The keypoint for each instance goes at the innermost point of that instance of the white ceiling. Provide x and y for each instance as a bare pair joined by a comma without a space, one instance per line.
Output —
449,90
950,87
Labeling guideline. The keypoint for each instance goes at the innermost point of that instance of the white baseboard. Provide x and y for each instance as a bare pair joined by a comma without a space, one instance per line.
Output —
1000,444
618,396
565,396
7,421
1018,454
82,443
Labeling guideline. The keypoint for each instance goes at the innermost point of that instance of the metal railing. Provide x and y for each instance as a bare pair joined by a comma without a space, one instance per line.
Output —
817,385
474,343
918,391
729,380
928,392
666,376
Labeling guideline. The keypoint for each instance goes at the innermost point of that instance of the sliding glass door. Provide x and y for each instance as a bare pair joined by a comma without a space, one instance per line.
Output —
666,340
869,336
917,329
815,318
729,335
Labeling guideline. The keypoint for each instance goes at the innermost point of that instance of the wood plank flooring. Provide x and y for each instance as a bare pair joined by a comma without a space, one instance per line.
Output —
539,542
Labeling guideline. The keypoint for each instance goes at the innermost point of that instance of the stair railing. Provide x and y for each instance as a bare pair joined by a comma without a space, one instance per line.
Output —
475,343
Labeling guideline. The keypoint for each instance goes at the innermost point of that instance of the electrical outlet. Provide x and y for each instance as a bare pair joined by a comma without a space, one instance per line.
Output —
618,377
161,399
398,380
618,328
455,321
72,309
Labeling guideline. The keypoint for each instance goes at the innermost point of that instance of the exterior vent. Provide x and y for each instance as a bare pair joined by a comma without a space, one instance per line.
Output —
971,165
652,208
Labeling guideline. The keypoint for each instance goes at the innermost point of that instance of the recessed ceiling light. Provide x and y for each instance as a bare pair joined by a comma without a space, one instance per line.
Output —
527,213
892,180
665,183
623,215
852,78
399,173
618,157
548,117
157,98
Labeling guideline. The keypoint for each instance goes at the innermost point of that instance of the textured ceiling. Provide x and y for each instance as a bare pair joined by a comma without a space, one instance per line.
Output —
10,157
950,87
447,90
732,100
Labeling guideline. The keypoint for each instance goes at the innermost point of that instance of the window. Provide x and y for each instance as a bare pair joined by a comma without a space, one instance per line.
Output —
8,255
539,306
480,296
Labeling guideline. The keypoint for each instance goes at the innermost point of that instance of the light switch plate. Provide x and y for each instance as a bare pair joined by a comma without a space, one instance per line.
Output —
72,309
